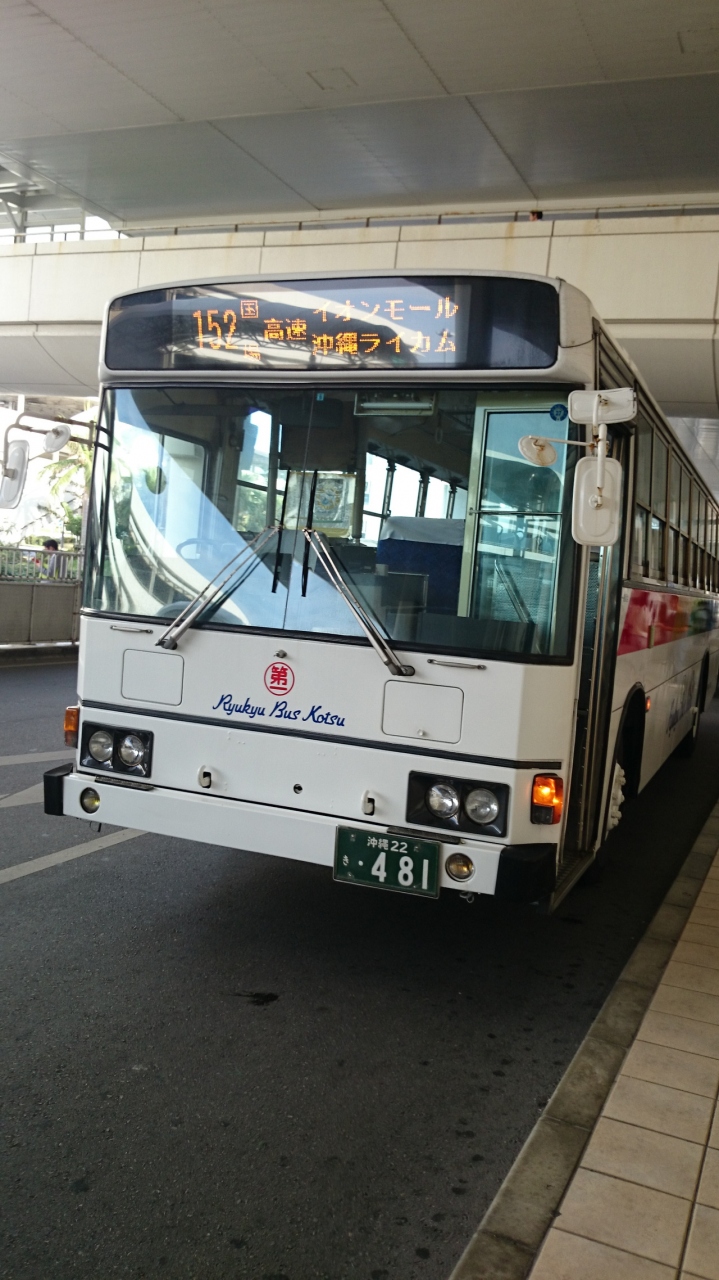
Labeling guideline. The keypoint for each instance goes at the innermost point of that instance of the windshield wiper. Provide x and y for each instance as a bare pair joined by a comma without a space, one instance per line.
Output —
212,589
372,632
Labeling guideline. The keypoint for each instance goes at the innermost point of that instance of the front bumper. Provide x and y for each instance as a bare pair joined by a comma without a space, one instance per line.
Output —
306,837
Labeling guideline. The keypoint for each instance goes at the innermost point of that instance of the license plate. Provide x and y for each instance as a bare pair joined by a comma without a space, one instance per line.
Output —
387,862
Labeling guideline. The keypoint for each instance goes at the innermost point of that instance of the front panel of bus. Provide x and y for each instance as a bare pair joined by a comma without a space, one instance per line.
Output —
350,449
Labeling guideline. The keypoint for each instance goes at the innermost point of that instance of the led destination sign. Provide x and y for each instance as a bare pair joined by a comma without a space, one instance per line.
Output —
395,323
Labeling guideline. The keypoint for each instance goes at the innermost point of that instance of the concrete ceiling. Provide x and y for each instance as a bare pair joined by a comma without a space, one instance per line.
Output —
152,110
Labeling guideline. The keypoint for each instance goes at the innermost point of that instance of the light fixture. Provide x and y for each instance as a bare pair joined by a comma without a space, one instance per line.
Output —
482,806
443,800
459,866
131,750
547,798
89,800
100,746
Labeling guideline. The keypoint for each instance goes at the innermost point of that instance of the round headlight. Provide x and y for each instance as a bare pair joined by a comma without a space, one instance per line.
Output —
482,806
100,746
89,800
459,866
131,750
443,800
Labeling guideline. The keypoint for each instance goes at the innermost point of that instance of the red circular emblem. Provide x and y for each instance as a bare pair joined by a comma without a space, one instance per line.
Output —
279,678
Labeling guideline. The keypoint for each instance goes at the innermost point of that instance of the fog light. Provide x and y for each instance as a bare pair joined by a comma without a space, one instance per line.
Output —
443,800
482,806
89,800
459,866
100,746
131,750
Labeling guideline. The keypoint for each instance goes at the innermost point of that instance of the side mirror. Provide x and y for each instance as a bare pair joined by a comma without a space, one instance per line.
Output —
595,523
597,505
14,472
57,437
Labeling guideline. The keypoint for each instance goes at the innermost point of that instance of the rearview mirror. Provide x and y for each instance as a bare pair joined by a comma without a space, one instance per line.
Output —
14,471
592,407
597,524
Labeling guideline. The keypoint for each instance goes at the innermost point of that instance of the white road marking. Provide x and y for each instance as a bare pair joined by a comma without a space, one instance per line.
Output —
30,758
31,795
67,855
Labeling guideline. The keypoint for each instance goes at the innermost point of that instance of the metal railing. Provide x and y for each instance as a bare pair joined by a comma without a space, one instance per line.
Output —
34,564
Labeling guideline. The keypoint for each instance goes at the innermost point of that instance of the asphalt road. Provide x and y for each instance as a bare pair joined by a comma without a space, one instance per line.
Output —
220,1066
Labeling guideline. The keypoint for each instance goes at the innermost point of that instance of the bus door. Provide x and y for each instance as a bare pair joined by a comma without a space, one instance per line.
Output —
596,683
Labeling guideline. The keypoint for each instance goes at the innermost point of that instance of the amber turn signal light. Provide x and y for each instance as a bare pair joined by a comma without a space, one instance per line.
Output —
547,798
72,725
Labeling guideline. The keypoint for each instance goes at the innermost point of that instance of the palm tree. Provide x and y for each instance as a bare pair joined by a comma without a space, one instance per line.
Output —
71,474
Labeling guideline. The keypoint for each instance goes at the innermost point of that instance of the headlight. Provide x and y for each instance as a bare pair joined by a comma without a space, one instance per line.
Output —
443,800
131,750
100,746
482,806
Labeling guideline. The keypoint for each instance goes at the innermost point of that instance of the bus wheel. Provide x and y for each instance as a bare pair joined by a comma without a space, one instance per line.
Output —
616,797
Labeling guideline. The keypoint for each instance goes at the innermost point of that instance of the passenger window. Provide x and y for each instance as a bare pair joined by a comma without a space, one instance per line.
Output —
675,484
685,503
643,462
659,478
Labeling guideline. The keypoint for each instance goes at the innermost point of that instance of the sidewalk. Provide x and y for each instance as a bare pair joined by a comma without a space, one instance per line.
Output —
643,1203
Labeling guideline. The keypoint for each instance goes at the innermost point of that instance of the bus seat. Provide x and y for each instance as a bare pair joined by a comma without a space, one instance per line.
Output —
431,547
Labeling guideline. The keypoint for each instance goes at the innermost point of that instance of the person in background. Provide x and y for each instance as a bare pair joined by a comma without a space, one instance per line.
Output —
50,545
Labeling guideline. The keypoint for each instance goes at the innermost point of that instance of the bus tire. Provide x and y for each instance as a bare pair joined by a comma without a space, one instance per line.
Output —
627,764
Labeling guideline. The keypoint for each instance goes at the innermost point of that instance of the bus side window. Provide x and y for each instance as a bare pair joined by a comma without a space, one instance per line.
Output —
675,487
659,508
642,492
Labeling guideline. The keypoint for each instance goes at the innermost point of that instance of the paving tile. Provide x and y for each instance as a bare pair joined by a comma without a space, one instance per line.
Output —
644,1156
709,897
680,1033
672,1067
702,1255
568,1257
701,933
626,1216
687,1004
708,1192
704,914
714,1135
697,953
665,1110
692,977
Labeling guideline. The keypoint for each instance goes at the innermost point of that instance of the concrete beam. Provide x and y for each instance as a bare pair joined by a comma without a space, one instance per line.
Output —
654,280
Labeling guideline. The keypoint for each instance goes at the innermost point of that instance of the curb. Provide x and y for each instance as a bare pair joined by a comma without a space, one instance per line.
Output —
509,1236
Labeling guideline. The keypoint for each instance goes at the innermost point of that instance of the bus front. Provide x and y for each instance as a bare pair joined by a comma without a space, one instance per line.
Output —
330,607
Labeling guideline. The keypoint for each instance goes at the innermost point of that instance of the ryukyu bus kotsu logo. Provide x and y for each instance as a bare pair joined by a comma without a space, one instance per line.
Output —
279,678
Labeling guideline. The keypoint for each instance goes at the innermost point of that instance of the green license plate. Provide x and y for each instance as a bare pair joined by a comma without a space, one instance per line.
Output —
387,862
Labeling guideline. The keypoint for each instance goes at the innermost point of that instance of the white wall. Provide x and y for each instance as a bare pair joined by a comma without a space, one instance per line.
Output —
654,280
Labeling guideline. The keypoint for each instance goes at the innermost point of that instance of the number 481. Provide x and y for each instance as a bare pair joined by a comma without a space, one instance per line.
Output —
405,875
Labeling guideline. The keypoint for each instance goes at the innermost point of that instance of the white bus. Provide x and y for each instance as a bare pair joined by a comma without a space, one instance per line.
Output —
333,611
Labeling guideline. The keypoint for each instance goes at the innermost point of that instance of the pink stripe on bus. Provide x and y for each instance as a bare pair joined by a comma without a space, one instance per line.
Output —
656,617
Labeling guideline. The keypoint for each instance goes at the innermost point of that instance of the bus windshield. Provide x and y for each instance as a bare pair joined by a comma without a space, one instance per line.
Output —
451,540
